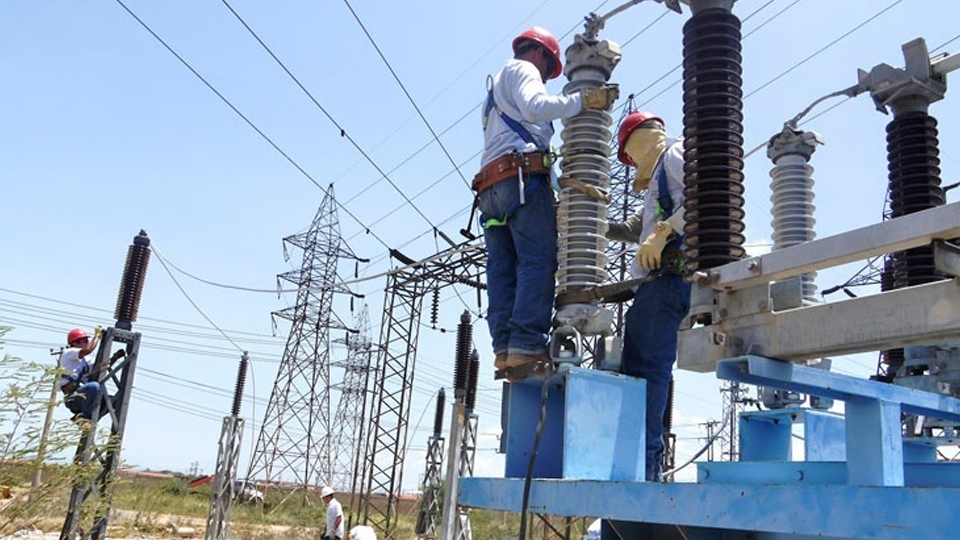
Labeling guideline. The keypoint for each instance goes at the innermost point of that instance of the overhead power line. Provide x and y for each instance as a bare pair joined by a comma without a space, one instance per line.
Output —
345,283
183,291
463,211
822,49
142,318
405,91
343,132
247,120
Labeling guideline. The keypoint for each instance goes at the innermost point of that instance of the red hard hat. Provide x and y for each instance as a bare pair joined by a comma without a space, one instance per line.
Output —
545,38
629,124
75,335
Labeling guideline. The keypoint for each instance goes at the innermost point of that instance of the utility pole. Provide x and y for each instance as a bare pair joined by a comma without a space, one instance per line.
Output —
228,457
90,500
47,423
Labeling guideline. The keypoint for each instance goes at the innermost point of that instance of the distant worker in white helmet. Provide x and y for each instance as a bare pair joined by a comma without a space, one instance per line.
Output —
363,532
662,298
334,526
515,198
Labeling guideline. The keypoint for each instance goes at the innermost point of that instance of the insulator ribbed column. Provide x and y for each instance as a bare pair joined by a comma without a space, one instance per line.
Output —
464,346
585,152
241,381
438,415
473,375
914,175
792,195
713,138
131,285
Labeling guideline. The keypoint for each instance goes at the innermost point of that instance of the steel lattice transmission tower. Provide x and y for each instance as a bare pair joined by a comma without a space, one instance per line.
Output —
382,467
294,443
734,397
348,423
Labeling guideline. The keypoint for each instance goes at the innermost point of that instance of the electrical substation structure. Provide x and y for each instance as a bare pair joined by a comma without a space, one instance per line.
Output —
294,445
429,513
222,492
382,469
349,426
98,457
873,471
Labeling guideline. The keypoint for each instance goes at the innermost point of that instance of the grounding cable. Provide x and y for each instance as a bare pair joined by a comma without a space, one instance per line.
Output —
528,479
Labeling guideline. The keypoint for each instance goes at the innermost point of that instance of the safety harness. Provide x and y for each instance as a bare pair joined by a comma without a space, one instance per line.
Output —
673,259
527,189
72,382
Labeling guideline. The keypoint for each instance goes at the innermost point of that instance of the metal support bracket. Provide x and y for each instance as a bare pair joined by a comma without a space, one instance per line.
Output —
946,257
874,445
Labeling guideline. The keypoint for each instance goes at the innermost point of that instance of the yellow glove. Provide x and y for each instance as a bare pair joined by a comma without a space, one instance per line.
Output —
97,332
651,249
601,98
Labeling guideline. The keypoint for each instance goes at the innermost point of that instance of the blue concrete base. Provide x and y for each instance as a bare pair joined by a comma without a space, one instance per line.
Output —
783,511
594,427
768,435
861,478
818,473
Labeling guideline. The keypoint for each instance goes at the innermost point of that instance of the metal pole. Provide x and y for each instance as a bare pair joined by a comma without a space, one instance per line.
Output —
45,433
453,473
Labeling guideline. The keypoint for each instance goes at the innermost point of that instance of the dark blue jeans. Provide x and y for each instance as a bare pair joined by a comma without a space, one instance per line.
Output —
521,262
650,349
84,399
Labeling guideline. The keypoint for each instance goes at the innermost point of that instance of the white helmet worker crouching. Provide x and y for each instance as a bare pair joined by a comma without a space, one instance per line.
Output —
362,532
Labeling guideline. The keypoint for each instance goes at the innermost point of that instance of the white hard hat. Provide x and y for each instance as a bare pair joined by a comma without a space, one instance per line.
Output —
363,532
326,491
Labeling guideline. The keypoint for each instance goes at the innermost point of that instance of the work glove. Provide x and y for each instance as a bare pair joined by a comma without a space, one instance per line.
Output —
652,248
601,98
97,332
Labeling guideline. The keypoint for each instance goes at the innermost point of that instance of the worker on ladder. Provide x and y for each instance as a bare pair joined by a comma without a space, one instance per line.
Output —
81,393
515,197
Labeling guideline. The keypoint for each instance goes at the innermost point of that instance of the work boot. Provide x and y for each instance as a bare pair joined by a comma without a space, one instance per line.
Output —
521,366
518,359
500,362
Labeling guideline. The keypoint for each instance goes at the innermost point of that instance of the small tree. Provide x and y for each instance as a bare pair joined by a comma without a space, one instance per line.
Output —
24,451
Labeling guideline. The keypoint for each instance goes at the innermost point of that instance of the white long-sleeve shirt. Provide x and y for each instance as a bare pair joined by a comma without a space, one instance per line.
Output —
334,528
73,366
520,93
640,225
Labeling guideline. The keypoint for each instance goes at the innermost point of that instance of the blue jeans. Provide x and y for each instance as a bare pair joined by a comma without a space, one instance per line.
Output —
650,349
521,262
84,399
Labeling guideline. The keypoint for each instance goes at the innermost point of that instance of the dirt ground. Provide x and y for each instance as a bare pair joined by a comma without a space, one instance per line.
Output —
162,527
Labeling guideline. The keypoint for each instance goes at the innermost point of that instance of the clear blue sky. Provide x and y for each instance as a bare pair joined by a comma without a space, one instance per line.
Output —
104,132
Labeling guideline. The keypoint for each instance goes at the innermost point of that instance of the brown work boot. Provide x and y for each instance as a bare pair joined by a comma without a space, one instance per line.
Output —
518,359
521,366
500,363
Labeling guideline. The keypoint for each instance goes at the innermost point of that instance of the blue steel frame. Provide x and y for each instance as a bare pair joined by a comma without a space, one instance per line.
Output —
885,487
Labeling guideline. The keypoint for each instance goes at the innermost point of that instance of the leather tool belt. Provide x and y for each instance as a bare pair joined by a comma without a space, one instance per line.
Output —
508,166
